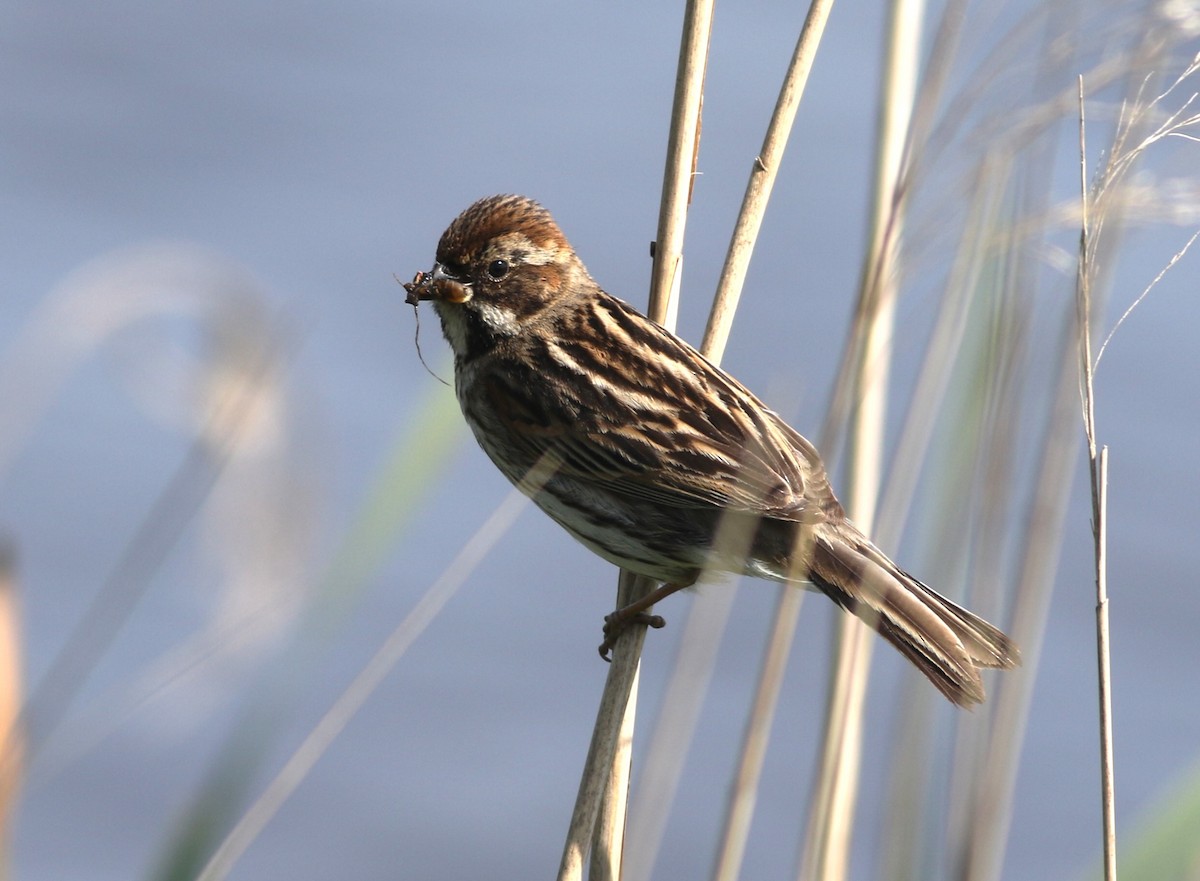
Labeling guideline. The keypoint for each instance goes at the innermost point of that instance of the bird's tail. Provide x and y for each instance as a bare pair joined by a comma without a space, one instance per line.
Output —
945,641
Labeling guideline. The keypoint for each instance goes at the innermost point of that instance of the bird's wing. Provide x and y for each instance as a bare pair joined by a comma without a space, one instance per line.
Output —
624,404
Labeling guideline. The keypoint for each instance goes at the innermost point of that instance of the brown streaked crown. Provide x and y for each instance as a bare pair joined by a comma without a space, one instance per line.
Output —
496,217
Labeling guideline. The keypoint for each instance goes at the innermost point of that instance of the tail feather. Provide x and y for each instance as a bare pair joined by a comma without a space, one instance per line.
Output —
942,639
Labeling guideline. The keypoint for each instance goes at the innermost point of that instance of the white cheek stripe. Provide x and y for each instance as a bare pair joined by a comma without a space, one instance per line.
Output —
499,319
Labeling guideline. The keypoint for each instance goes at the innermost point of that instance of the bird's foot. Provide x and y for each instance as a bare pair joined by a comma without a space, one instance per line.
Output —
616,623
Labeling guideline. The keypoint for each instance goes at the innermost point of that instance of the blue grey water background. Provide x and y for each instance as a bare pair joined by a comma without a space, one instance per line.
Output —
322,148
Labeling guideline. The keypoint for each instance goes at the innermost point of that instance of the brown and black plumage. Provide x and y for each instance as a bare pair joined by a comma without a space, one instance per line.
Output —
652,445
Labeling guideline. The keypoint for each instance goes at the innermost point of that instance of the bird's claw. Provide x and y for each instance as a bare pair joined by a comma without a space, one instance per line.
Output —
616,623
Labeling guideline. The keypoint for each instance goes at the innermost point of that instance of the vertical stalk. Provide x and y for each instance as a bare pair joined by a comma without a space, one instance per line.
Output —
1099,476
1107,790
762,182
594,814
759,187
827,845
682,149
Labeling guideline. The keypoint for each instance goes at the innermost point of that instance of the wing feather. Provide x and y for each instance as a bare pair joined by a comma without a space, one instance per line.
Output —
655,420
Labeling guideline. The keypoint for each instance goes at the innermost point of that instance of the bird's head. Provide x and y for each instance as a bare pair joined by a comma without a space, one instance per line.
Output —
501,265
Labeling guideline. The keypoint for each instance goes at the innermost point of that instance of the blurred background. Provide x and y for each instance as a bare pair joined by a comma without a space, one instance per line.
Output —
201,199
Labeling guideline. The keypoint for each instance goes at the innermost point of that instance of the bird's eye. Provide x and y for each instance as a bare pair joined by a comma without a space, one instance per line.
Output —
498,268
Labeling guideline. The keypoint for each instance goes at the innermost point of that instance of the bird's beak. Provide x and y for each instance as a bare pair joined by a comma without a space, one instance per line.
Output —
437,285
447,287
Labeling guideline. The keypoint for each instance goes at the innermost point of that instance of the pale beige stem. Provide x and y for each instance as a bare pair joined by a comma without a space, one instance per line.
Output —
827,845
608,842
706,620
595,815
762,181
1107,787
1099,475
682,149
740,809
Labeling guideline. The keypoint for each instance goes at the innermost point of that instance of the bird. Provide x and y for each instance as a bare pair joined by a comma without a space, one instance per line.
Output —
649,449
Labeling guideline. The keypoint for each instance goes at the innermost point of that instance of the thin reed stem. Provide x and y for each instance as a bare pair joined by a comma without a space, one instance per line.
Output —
827,842
740,809
683,147
763,172
598,771
1098,463
666,753
594,814
1103,659
700,653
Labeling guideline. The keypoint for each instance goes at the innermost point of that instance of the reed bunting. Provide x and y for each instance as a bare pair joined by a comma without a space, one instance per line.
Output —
651,448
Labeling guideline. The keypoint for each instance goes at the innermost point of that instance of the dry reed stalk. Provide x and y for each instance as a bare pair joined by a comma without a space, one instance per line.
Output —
739,810
1108,798
1098,466
1106,196
826,853
618,701
915,752
668,260
706,620
762,178
763,172
670,741
1106,206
